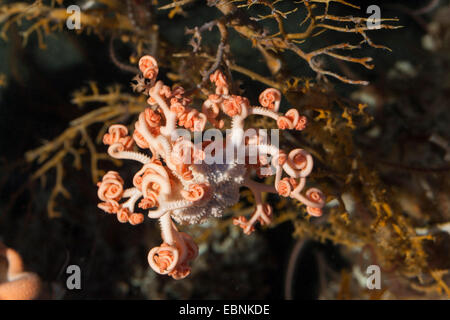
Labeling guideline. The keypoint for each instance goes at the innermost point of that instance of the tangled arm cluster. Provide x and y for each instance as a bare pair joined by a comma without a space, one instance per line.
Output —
178,183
